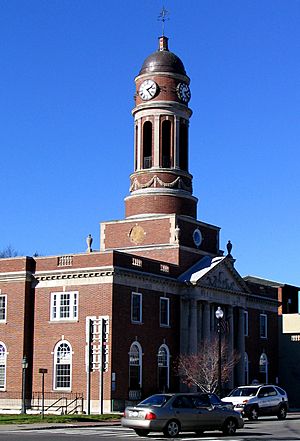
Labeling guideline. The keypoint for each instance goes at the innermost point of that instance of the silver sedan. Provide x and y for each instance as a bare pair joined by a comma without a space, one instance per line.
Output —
174,413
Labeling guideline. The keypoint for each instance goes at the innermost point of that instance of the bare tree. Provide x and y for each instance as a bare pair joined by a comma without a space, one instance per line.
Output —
201,369
9,251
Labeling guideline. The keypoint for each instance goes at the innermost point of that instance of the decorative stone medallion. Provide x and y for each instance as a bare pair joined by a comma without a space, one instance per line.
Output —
137,234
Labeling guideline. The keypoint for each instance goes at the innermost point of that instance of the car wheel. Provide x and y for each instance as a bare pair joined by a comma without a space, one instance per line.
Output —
229,427
253,414
281,413
172,429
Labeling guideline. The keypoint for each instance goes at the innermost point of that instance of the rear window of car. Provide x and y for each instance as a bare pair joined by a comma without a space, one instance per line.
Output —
281,391
155,400
244,392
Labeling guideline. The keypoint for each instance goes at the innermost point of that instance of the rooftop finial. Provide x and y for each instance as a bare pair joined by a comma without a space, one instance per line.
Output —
163,17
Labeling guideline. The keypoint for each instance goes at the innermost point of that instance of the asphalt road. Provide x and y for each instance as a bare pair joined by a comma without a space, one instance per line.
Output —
265,428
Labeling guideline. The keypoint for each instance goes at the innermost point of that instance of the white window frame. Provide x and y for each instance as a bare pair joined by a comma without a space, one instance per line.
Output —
265,318
5,307
264,366
140,296
246,324
3,387
140,360
55,306
167,300
55,364
166,348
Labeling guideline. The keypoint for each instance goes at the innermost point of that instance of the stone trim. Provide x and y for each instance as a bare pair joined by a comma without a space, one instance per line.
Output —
16,276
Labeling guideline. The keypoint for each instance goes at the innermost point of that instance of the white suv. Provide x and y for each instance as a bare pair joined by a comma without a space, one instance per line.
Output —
259,400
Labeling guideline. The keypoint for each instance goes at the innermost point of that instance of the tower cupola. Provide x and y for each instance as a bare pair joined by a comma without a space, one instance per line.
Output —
161,182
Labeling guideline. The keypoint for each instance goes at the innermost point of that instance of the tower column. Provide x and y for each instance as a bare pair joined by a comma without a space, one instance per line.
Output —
176,144
156,141
138,149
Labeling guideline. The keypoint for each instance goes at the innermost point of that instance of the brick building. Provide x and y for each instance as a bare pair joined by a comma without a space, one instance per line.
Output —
152,290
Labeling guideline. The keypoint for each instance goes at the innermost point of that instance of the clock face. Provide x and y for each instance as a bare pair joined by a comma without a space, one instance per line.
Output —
147,90
197,237
183,92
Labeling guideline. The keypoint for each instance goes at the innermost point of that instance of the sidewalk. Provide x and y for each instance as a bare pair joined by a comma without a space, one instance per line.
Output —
44,426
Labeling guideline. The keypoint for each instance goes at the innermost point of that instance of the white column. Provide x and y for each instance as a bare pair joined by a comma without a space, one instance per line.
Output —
193,327
156,141
241,347
199,323
176,141
184,320
230,342
206,321
139,146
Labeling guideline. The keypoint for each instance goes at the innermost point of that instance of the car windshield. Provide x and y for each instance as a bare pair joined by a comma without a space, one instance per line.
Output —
244,392
155,400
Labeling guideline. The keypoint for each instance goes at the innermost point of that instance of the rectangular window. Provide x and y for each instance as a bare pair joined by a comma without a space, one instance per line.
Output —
164,311
246,323
263,326
136,307
64,306
63,376
2,376
3,300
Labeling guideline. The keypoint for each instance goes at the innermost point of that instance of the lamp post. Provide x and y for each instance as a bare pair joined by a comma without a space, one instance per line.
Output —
219,316
24,367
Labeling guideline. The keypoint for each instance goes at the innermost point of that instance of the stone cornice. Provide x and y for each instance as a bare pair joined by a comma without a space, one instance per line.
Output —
71,274
16,276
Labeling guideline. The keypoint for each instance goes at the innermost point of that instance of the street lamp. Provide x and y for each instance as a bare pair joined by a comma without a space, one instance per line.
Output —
219,316
24,367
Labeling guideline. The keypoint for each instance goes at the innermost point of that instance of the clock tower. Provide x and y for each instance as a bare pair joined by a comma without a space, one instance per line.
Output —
161,182
161,210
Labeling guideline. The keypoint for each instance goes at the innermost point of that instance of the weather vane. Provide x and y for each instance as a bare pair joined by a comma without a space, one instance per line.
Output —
163,17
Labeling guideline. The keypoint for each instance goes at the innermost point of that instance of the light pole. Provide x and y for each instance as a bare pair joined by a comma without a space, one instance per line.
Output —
219,316
24,367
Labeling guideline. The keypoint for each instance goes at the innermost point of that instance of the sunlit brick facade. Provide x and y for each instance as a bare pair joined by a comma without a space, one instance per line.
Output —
157,280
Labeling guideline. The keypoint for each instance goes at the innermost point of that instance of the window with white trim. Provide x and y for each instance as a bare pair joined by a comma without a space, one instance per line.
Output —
3,356
136,307
164,311
246,327
3,307
62,365
163,365
64,305
264,367
263,326
135,366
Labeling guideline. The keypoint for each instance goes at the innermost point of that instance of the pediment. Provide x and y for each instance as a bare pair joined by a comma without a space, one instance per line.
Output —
220,274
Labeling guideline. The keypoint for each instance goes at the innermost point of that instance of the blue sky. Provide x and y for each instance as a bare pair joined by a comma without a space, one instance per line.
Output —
67,71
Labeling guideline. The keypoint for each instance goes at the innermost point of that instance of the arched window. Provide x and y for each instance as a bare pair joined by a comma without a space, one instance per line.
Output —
163,365
183,146
166,143
147,144
135,366
3,356
62,365
263,367
246,368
